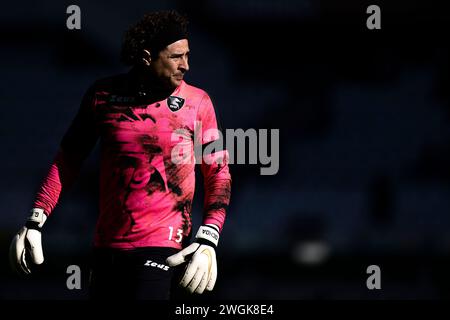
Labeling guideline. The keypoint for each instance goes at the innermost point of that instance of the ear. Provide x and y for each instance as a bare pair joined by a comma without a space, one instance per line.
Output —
146,57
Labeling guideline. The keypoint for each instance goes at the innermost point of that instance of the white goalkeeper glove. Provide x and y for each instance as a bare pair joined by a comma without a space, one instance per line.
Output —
201,271
27,243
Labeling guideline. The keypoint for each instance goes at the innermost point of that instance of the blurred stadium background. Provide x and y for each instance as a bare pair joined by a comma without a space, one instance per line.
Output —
364,148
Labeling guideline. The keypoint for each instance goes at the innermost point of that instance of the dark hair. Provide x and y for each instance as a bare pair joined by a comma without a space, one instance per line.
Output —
153,32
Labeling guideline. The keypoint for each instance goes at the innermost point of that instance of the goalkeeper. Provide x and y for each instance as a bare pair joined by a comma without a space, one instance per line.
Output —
148,122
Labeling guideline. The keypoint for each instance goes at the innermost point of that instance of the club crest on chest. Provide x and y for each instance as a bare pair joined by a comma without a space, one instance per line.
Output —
175,103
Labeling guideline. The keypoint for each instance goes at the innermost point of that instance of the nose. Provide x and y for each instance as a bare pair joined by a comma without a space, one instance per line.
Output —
184,65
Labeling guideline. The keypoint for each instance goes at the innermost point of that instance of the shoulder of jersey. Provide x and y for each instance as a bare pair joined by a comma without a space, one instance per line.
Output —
192,91
111,83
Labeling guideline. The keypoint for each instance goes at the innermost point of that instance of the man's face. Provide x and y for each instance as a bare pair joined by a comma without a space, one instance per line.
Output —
172,63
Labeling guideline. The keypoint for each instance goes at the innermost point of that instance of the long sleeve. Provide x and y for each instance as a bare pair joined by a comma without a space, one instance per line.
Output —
214,166
77,143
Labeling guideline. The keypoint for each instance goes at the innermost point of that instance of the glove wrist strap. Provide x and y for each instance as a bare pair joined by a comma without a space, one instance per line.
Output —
209,235
36,220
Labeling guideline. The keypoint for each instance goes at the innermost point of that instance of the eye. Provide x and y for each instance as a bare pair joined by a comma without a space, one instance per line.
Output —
179,56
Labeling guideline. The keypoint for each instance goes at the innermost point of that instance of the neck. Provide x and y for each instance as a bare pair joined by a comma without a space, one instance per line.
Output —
147,82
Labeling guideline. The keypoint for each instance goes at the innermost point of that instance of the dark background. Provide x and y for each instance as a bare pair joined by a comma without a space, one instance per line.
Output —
364,140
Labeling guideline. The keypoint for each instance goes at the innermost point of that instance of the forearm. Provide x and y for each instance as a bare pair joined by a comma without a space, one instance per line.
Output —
217,185
59,178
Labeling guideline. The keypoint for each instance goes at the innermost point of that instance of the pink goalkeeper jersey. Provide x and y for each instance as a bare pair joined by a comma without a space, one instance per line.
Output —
145,196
